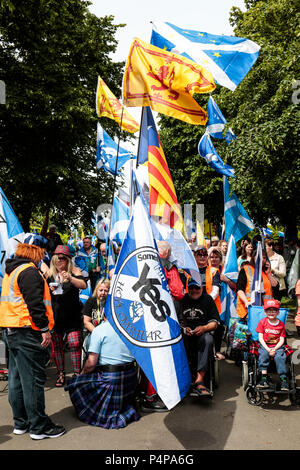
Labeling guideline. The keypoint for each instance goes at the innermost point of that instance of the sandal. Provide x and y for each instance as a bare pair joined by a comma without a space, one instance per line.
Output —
203,391
60,382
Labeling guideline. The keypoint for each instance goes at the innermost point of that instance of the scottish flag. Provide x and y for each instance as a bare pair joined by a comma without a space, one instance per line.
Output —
216,122
11,232
228,58
209,153
141,310
181,254
86,293
107,151
228,296
237,221
257,284
120,220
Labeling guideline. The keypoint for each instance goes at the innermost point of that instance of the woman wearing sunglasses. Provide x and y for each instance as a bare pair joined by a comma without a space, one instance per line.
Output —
65,281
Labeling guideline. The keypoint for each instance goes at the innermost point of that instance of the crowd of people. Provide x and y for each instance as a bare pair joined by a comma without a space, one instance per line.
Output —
43,311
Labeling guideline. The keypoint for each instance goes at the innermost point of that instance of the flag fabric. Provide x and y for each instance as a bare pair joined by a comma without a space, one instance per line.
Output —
11,232
257,284
181,253
108,105
119,221
237,221
227,295
208,152
111,258
166,82
125,197
216,122
228,58
140,308
86,293
162,195
200,235
188,220
107,151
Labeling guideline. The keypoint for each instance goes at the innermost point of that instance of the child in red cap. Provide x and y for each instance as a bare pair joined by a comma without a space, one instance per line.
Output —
271,334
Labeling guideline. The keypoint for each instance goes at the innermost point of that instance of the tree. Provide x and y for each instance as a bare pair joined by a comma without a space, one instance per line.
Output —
264,114
51,53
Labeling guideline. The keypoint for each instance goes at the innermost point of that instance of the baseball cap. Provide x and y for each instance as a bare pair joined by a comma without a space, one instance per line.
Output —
192,282
271,303
200,248
62,250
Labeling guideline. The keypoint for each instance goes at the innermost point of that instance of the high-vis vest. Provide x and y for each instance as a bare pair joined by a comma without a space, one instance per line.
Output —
14,312
210,273
241,310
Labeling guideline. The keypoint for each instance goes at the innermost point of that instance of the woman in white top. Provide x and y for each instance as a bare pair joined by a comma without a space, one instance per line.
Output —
278,266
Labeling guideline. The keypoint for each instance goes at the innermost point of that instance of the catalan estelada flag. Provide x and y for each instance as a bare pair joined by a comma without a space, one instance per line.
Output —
166,82
109,106
163,201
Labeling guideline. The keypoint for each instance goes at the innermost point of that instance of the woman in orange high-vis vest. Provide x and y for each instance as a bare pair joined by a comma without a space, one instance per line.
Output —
27,318
245,280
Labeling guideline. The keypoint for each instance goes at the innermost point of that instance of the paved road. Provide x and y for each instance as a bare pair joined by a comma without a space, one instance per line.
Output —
227,422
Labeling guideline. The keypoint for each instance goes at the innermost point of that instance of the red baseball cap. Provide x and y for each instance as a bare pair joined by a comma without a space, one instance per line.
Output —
271,303
62,250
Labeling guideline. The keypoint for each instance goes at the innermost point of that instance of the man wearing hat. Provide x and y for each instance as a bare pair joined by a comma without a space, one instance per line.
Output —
86,260
271,334
199,318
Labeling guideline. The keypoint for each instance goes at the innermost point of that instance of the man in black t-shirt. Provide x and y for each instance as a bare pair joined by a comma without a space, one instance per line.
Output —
200,317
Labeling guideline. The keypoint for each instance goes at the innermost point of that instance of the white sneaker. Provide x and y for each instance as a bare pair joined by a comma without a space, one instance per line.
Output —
20,431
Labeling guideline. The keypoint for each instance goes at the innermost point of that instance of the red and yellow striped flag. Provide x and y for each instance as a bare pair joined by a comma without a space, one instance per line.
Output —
109,106
166,82
162,195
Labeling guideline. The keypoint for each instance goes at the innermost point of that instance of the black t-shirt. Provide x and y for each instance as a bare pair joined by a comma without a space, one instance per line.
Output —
94,309
199,312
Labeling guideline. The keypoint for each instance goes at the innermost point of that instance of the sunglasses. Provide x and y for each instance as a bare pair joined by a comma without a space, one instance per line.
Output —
61,258
201,256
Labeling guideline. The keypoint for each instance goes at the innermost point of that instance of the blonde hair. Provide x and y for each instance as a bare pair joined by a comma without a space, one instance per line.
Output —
53,270
32,252
104,281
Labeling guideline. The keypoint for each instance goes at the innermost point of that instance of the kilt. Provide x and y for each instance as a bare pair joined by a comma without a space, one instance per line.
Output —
104,399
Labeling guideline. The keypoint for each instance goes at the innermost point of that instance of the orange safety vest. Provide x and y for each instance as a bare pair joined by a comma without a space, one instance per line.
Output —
241,310
210,273
14,312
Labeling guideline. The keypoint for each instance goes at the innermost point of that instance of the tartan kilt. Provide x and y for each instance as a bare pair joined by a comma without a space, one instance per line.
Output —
104,399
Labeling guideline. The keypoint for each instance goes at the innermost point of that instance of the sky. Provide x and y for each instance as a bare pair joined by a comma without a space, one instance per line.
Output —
210,16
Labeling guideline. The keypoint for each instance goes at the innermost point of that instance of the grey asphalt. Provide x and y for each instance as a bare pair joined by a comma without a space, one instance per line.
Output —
225,422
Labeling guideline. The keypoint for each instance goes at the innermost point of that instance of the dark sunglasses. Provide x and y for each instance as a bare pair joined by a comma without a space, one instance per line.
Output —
60,258
201,255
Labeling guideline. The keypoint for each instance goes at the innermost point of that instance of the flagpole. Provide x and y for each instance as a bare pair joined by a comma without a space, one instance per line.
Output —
140,133
113,192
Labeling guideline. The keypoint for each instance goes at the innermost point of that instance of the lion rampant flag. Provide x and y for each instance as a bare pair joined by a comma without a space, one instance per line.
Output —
109,106
166,82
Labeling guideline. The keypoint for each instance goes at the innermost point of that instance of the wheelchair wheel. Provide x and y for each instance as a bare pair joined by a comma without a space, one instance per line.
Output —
245,375
254,397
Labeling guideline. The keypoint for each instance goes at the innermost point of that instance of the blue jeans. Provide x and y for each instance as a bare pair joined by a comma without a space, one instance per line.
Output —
279,358
26,378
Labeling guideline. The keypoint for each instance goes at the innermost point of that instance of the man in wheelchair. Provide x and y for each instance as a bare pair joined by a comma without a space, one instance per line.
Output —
200,318
271,334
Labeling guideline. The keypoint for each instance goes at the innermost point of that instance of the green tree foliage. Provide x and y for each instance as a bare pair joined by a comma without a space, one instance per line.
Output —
51,53
264,114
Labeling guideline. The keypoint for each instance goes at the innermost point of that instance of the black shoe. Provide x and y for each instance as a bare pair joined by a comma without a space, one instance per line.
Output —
52,431
156,405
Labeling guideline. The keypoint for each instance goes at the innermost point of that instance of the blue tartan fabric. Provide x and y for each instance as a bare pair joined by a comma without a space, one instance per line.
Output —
104,399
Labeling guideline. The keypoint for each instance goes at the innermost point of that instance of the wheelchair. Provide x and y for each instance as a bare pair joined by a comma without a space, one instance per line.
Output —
250,371
212,376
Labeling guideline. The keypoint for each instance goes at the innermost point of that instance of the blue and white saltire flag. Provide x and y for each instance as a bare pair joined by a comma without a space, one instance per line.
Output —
11,232
188,220
111,258
107,151
120,220
141,310
181,253
228,296
71,245
208,152
237,221
216,122
257,284
228,58
86,293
